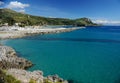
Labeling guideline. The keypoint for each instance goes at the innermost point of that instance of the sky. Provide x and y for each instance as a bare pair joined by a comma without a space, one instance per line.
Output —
100,11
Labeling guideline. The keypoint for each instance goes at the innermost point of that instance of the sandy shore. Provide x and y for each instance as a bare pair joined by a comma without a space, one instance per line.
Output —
19,32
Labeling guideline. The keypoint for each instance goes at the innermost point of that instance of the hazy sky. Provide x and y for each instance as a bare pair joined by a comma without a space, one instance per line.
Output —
98,10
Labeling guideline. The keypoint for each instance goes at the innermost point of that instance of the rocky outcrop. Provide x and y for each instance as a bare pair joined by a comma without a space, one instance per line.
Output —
15,66
36,76
54,79
9,59
25,76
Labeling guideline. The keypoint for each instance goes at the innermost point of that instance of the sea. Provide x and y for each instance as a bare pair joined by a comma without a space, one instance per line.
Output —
89,55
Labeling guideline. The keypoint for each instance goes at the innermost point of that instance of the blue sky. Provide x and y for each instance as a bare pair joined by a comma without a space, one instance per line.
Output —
97,10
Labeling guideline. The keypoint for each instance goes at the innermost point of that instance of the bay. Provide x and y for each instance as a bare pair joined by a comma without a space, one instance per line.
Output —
90,55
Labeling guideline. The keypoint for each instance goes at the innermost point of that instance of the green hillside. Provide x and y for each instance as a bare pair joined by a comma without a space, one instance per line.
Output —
11,17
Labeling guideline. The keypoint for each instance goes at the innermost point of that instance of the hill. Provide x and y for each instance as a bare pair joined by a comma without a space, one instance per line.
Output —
11,17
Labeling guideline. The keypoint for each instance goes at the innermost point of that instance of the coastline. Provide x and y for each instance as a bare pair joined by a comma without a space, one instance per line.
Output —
16,66
12,32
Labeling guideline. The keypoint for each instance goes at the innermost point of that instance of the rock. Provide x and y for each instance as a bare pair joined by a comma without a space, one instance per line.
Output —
25,76
15,66
9,59
55,79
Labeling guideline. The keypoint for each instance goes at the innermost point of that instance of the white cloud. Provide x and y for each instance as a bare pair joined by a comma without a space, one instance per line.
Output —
16,4
106,21
1,3
22,11
101,21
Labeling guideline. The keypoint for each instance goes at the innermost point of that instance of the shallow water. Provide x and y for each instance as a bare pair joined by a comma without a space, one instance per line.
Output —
90,55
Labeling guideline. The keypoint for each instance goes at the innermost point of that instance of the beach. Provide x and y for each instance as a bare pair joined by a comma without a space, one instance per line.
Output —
19,32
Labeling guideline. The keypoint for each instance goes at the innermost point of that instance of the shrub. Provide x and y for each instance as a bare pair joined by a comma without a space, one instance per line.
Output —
32,81
7,78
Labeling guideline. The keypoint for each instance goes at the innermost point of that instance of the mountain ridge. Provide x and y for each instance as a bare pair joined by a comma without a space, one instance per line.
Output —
11,17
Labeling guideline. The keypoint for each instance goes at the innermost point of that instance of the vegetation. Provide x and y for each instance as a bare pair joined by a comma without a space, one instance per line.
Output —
48,81
4,78
11,17
32,81
84,22
45,81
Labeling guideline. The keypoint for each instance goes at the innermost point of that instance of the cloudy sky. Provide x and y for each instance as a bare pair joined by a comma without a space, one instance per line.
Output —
100,11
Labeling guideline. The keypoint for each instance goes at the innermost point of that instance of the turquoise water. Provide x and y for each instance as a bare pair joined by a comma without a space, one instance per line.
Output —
90,55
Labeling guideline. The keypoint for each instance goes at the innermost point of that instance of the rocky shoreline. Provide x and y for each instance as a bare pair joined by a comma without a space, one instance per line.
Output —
36,76
9,59
15,66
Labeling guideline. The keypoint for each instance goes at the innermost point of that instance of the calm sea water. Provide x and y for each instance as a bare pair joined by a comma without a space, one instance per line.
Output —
90,55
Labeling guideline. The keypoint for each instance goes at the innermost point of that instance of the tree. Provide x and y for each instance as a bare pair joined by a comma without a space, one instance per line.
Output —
9,20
